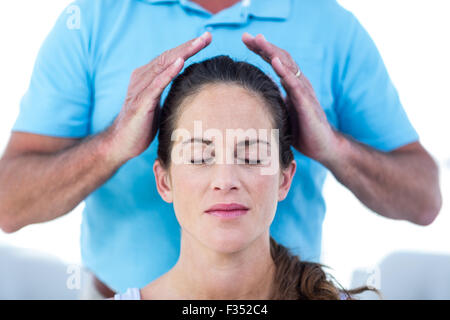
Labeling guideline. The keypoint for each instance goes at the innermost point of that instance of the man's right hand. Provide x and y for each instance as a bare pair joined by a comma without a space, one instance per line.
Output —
42,177
135,127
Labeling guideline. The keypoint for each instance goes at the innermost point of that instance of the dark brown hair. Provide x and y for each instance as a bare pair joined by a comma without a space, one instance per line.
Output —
294,279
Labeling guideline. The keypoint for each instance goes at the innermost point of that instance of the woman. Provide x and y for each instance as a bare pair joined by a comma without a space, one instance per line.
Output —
225,208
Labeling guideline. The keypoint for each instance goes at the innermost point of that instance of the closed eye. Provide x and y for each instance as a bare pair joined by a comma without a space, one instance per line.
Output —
202,161
254,162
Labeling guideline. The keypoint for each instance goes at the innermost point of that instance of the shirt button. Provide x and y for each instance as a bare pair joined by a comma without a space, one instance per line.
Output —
209,28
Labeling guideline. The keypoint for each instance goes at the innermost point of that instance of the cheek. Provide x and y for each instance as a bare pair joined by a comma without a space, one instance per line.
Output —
187,189
265,191
265,184
182,180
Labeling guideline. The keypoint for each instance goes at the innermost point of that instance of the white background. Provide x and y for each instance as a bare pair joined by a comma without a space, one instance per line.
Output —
413,38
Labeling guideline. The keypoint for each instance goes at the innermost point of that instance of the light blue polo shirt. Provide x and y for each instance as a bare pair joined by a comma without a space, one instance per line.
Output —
129,235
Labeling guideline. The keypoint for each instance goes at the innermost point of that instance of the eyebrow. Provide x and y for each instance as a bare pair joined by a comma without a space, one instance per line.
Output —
208,142
250,142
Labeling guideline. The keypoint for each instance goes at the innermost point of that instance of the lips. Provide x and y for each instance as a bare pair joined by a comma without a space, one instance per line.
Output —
227,210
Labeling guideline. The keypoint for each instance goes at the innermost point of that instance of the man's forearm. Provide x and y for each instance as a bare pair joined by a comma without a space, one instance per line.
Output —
41,187
399,185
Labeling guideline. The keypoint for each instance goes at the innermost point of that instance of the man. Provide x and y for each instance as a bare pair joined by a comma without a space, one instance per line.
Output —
345,109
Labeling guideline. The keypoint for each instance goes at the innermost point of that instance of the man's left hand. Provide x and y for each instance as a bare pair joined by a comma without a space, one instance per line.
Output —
313,134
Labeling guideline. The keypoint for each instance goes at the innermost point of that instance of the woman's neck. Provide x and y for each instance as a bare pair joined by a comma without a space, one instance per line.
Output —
203,274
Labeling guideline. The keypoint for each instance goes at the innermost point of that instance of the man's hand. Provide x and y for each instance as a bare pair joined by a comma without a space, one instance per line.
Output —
136,125
313,135
401,184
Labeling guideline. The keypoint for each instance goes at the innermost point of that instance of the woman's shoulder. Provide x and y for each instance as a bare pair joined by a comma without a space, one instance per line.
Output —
129,294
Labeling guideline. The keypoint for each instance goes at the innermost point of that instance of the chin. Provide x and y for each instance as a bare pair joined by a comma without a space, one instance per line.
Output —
228,242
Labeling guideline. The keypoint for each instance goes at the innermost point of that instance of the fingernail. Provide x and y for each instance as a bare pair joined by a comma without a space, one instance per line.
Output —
178,62
196,42
199,39
259,35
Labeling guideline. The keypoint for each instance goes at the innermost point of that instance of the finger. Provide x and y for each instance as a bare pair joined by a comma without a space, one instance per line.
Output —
153,92
190,48
268,50
293,85
196,45
148,72
273,51
249,41
257,45
185,50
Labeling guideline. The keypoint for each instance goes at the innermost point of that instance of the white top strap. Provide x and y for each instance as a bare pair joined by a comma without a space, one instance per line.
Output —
130,294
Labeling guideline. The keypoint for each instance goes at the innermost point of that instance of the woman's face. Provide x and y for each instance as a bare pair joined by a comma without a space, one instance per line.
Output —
196,187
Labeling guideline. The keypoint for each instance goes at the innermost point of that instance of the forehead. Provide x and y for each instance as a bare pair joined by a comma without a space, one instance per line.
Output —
225,106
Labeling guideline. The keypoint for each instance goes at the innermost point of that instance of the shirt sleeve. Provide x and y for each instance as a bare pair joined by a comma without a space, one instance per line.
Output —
58,99
368,106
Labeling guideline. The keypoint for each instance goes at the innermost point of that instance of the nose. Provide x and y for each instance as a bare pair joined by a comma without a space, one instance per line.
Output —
225,177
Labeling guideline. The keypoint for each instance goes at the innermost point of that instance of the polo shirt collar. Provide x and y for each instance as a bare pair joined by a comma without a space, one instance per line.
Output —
270,9
263,9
